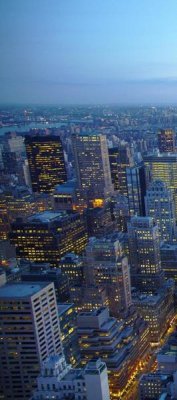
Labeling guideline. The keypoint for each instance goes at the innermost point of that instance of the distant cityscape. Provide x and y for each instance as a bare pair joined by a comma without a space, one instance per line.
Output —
88,252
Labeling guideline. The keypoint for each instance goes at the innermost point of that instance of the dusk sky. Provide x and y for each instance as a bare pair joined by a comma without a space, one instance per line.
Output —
88,51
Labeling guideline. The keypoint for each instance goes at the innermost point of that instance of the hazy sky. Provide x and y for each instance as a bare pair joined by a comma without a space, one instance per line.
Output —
88,51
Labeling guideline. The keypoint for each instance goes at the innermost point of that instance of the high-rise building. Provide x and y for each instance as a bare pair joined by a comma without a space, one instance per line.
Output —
4,218
157,310
72,267
120,159
163,167
15,143
92,165
69,338
136,189
58,381
30,332
107,266
64,196
155,386
44,273
46,162
166,140
88,297
144,250
113,159
159,203
168,253
47,236
99,220
120,346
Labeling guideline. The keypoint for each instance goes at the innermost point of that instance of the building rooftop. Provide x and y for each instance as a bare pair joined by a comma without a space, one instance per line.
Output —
147,299
67,187
47,216
20,290
63,307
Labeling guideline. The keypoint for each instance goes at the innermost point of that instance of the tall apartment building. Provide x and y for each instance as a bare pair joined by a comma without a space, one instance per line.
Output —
159,203
47,236
144,249
46,162
30,332
136,189
107,266
166,140
92,165
163,167
58,381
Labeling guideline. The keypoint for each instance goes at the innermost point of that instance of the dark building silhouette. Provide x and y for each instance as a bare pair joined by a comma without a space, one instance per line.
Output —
46,162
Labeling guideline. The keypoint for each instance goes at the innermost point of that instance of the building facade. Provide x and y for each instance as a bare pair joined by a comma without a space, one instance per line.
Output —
92,165
47,236
46,162
159,203
166,140
144,250
30,332
107,266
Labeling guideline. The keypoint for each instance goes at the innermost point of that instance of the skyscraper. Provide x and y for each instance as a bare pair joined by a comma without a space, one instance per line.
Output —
113,159
124,160
47,236
163,167
46,162
166,141
30,332
136,189
108,267
92,165
160,206
144,247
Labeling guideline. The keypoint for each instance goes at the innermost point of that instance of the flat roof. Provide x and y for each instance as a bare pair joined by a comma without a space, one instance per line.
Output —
22,289
46,216
67,187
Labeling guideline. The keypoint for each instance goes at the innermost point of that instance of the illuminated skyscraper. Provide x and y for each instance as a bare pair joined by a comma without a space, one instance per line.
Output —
108,267
30,332
166,141
163,167
160,206
92,165
47,236
46,162
144,247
